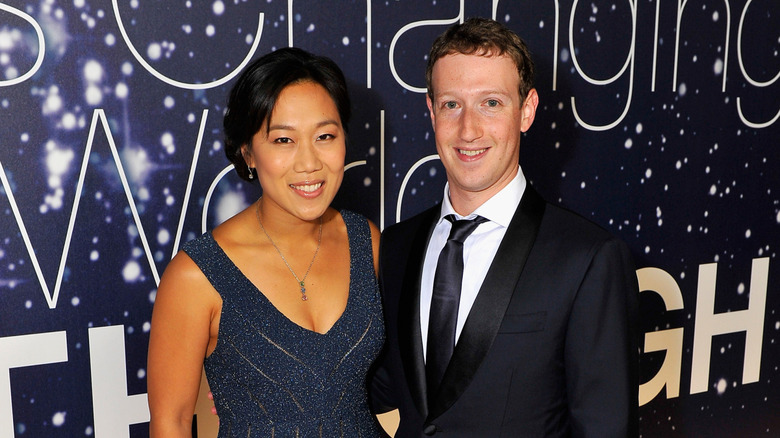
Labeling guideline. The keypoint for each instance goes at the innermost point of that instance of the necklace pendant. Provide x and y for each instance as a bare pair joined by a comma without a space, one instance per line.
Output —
319,242
303,292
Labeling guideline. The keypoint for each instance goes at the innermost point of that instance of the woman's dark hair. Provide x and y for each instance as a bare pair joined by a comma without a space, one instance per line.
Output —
253,97
483,37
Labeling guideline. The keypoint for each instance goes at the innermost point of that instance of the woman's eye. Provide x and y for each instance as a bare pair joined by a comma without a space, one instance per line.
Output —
326,137
283,140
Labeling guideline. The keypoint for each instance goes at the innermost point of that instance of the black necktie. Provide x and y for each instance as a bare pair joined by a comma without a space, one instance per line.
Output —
445,300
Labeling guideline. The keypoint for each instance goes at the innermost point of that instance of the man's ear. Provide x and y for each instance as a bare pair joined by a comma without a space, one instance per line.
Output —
430,110
529,109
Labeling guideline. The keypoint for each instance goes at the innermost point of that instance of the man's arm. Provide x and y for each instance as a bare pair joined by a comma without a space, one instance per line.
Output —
379,389
379,381
601,356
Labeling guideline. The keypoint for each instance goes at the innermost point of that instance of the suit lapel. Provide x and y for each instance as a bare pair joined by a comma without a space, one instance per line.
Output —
492,301
410,337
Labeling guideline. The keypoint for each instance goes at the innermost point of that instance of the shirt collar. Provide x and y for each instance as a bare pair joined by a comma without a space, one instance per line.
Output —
499,209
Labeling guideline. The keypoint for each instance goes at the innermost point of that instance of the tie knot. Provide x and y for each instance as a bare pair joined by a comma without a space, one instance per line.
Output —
462,229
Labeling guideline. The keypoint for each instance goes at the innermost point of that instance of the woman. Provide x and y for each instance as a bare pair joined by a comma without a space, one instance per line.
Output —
280,302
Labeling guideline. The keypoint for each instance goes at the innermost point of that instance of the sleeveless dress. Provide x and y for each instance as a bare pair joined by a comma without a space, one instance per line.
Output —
273,378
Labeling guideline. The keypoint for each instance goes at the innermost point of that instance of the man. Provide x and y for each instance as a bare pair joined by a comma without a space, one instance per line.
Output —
543,326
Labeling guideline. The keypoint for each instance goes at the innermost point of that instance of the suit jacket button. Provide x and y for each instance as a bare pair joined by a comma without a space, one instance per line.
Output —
430,429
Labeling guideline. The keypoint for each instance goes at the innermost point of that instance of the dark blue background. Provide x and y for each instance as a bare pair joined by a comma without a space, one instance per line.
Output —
681,178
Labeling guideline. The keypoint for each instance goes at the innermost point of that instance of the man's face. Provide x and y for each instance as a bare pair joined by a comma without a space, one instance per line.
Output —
478,118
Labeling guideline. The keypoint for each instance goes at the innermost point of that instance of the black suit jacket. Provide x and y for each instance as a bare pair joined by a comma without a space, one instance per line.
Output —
549,348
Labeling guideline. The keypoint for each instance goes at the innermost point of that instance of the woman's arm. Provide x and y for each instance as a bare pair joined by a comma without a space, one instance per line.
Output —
181,335
375,234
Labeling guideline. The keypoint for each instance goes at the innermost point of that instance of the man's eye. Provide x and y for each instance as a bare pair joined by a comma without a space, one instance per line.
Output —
450,105
492,102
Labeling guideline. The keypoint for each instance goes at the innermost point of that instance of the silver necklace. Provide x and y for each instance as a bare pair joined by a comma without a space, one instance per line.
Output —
301,281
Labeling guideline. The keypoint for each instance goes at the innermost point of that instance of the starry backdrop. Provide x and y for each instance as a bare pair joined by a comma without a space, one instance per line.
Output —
658,121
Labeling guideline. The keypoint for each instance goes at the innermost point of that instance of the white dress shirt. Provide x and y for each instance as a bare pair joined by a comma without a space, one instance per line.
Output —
479,249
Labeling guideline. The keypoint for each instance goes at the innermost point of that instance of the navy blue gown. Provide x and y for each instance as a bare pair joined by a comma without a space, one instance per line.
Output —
272,378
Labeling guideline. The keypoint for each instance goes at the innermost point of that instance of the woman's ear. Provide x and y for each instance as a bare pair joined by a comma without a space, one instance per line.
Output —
245,152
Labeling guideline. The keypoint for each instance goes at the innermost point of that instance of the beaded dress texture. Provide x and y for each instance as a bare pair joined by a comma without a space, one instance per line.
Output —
272,378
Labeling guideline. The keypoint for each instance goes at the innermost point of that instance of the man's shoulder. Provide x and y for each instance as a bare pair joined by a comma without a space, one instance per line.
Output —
577,236
574,228
555,219
426,217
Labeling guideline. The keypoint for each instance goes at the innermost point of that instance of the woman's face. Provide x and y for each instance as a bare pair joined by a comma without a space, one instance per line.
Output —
299,154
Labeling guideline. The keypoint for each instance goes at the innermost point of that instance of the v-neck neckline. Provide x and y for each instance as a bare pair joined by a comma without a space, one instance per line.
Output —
275,310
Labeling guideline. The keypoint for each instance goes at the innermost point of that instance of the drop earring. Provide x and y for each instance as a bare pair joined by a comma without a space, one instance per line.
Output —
251,175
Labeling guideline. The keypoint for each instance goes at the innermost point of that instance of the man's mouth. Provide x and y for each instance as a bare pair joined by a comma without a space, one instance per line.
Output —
472,153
